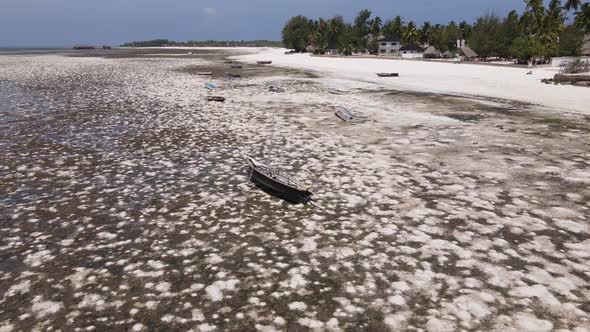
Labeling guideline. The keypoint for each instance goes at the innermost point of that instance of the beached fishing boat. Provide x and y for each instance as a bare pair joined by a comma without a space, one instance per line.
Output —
274,88
230,76
216,98
335,91
265,62
343,113
210,86
387,74
205,73
236,66
275,182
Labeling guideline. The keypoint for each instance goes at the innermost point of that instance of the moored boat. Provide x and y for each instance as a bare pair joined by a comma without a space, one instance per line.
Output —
216,98
277,183
264,62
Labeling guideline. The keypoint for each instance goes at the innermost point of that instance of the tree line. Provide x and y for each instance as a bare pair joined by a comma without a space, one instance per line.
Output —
539,32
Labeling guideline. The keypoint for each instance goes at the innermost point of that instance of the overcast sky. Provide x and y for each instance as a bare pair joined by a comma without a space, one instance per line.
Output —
67,22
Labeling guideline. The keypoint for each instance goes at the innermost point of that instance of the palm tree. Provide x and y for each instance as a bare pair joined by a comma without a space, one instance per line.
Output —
533,16
411,33
376,26
582,21
426,33
397,26
335,26
572,4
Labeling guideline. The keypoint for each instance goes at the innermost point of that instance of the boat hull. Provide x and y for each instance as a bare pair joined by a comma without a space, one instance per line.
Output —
277,188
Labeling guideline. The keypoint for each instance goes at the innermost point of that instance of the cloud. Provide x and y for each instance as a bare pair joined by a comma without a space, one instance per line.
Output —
209,11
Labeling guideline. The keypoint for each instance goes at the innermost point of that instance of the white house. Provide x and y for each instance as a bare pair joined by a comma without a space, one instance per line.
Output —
411,51
389,45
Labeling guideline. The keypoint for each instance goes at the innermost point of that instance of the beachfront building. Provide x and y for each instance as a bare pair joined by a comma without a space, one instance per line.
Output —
432,53
449,55
389,45
411,51
332,48
465,51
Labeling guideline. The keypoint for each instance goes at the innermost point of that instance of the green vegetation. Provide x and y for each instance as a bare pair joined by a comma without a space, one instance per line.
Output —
537,34
206,43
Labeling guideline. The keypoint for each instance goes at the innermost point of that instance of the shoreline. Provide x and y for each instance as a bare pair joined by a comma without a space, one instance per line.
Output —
482,80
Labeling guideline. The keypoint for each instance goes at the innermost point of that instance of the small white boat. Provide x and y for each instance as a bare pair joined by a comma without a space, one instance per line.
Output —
205,73
343,113
210,86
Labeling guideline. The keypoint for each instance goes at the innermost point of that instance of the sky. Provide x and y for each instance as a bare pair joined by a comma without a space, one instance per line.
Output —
112,22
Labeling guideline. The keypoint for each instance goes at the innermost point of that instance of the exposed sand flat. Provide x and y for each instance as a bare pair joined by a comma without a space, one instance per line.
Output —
440,77
125,203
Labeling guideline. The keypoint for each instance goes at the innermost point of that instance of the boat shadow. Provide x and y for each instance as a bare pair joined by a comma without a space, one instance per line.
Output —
276,194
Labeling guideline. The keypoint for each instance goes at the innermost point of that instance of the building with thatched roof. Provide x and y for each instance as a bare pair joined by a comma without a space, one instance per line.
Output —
449,55
467,52
432,52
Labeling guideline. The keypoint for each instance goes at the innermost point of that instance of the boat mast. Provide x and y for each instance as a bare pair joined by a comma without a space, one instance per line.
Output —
272,138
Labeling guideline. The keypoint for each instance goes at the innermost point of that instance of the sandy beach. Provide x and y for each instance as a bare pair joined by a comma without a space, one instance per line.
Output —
458,199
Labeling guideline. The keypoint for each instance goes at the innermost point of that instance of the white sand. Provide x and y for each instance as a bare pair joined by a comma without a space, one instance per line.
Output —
426,76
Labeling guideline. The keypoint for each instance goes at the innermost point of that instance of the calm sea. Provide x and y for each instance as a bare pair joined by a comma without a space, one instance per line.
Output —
8,50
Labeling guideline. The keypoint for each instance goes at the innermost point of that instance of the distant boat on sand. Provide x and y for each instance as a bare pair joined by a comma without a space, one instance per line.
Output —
387,74
343,113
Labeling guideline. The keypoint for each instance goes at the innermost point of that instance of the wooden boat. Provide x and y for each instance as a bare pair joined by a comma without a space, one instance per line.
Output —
229,76
210,86
387,74
265,62
216,98
336,91
274,88
205,73
278,183
343,113
236,66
